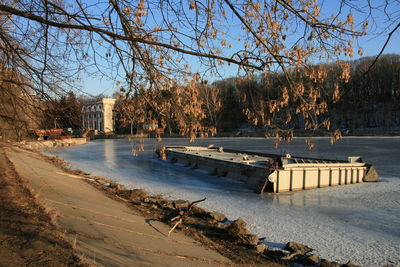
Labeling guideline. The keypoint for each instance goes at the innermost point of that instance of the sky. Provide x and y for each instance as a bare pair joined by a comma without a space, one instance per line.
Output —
371,45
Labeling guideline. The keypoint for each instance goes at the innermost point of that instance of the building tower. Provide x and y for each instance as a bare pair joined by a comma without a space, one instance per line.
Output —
99,116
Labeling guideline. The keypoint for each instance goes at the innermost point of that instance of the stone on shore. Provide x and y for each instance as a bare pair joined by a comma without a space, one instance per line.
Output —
252,240
116,186
165,204
310,260
218,216
100,180
350,264
291,256
238,227
260,248
372,175
133,195
181,204
199,212
139,194
326,263
277,254
294,246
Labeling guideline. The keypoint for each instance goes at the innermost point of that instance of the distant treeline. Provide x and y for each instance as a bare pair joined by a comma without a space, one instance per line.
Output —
370,98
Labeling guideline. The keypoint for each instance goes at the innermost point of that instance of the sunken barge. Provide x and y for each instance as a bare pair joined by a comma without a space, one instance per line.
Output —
269,172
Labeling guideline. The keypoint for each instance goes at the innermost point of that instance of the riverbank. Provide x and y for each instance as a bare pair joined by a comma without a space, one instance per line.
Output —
28,231
44,144
109,229
240,246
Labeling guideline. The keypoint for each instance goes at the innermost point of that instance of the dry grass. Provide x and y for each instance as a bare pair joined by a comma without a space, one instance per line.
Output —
28,230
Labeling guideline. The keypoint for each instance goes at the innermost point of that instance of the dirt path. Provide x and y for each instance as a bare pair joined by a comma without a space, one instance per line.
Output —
28,233
104,230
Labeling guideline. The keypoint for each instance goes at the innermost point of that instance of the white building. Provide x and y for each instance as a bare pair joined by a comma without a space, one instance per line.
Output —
99,115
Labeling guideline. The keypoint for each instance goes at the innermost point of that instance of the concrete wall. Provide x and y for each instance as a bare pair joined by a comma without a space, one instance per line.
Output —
52,143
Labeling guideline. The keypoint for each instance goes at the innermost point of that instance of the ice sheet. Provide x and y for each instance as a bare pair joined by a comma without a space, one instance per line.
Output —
359,222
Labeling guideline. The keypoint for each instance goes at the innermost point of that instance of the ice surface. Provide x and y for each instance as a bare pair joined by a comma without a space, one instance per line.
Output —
359,222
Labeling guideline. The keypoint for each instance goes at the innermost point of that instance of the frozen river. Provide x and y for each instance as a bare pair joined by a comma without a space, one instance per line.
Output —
359,222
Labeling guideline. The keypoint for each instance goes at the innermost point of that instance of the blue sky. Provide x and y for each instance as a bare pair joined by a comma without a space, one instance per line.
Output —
371,44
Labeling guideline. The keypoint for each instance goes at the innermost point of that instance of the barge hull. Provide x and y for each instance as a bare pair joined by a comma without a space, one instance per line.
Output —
268,172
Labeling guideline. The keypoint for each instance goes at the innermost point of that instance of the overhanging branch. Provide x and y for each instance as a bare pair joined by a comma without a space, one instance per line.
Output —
116,36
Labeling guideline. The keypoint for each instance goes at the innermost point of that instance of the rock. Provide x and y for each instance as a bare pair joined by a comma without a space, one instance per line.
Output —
166,204
278,254
116,186
326,263
181,204
310,260
152,200
252,240
138,194
154,206
291,256
372,175
260,248
126,194
199,212
99,180
350,264
238,227
79,172
219,217
133,195
294,246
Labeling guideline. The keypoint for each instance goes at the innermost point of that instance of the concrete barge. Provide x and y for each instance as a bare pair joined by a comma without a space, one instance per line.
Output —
269,172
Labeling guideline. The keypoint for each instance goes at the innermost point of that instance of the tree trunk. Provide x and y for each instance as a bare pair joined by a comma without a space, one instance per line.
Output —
131,128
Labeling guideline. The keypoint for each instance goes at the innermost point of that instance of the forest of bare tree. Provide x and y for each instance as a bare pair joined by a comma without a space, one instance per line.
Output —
369,101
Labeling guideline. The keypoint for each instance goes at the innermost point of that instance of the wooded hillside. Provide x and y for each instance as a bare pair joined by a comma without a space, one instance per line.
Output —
370,99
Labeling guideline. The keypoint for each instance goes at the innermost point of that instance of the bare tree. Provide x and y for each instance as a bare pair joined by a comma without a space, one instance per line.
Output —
149,47
211,99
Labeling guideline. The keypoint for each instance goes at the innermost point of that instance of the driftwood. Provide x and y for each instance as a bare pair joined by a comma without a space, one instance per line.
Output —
183,214
292,255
